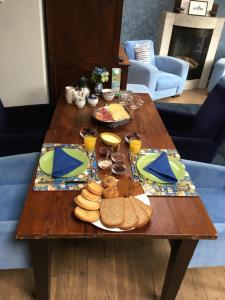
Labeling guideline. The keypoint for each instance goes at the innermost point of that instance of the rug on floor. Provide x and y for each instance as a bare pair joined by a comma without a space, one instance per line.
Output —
219,158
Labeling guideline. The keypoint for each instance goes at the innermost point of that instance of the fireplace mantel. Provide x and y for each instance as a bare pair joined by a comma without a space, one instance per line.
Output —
169,20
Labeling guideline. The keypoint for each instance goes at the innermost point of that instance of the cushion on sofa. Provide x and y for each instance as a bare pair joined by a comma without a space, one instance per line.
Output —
14,254
12,200
17,169
167,81
130,49
213,199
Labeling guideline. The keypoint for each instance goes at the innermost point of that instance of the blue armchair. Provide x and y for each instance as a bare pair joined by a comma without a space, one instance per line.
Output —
198,136
15,176
23,128
210,183
218,74
164,75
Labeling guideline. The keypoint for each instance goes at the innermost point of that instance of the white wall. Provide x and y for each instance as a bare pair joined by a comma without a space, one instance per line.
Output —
22,54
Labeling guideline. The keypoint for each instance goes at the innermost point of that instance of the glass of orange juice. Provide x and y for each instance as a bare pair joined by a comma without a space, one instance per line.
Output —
90,142
135,146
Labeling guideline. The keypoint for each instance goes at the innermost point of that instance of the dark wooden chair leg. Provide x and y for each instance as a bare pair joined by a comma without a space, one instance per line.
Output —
180,256
41,259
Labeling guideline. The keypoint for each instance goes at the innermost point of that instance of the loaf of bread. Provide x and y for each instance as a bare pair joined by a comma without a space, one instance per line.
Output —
109,181
130,217
86,215
111,192
112,212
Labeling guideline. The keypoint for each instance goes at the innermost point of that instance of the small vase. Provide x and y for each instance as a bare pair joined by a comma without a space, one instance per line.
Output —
98,88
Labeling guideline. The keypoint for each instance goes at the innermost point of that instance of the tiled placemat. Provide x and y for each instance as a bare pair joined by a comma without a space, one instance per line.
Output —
184,187
44,182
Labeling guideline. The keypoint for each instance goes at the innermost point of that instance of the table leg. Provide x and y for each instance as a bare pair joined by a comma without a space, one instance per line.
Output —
180,256
41,259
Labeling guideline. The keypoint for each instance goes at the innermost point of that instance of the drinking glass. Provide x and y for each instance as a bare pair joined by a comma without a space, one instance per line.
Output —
124,97
135,146
90,142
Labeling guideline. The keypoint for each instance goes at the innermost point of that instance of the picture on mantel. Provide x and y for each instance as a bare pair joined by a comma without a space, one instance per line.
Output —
198,8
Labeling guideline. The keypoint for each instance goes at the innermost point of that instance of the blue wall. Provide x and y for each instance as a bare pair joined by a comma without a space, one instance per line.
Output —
221,13
141,20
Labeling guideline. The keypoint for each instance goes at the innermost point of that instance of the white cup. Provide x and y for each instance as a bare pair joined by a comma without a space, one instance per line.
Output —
69,94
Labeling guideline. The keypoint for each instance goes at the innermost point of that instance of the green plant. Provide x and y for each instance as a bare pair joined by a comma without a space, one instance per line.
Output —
99,75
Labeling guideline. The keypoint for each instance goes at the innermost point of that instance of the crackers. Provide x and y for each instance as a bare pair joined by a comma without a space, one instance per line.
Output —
86,204
86,215
89,203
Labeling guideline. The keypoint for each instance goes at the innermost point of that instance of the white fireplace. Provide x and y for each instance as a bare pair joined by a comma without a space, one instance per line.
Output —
193,39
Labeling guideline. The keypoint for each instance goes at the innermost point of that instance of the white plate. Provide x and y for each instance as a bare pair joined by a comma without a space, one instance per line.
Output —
143,197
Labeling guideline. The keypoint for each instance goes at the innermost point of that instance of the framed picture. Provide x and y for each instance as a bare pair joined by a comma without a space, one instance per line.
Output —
198,8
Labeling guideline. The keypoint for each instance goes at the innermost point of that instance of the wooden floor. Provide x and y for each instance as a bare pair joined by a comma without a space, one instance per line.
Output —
196,96
115,270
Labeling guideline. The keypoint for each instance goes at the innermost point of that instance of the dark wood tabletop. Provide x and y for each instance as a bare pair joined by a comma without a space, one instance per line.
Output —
50,214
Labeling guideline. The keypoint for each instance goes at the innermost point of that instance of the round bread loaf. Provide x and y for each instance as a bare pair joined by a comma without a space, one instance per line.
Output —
111,192
89,196
87,204
109,181
95,188
86,215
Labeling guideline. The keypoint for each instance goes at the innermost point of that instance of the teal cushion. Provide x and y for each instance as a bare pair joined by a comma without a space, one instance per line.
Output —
167,81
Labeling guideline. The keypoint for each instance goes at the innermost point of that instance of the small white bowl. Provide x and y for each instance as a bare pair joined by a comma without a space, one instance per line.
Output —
80,104
108,94
93,102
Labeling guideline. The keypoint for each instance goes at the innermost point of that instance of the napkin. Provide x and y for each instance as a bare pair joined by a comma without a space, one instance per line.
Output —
63,163
160,168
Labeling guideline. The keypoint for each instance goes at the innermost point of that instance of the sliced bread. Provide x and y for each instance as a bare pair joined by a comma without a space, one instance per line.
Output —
142,215
146,207
112,212
130,217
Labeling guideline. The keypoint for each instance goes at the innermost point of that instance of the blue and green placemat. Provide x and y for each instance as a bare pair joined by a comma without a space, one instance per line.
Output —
183,187
44,182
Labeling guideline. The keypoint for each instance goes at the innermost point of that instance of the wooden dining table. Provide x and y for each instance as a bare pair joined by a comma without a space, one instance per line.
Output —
48,215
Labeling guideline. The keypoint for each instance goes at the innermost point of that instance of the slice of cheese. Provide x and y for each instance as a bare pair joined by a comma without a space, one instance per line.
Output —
118,112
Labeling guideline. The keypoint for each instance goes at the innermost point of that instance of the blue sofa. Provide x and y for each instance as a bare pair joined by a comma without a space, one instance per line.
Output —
210,183
164,75
15,176
218,74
